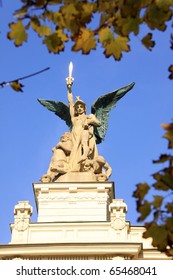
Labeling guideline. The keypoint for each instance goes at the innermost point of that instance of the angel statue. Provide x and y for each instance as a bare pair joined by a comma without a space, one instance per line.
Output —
79,150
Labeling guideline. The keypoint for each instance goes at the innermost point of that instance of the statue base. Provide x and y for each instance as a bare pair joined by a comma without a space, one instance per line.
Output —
73,202
77,177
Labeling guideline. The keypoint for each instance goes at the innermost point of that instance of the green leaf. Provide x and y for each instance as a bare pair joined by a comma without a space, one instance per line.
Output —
17,33
147,42
85,42
17,86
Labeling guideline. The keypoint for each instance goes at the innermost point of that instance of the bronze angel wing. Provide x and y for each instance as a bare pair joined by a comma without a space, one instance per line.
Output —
102,106
59,108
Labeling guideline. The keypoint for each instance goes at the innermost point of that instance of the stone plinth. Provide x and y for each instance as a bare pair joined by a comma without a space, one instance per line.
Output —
73,202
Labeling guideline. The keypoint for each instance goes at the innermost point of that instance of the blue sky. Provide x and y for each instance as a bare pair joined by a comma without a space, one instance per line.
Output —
29,131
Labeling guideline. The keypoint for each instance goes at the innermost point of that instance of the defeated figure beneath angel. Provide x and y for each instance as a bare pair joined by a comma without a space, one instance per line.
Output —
76,153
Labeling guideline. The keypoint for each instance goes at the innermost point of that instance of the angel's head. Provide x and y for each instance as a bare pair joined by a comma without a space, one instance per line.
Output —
80,106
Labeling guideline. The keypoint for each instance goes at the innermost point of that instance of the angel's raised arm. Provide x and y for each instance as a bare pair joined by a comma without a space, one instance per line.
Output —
70,99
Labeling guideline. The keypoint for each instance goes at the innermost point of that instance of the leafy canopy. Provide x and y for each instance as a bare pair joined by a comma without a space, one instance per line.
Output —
60,21
160,208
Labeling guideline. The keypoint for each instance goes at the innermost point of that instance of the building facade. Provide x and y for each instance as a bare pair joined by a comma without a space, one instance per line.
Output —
76,221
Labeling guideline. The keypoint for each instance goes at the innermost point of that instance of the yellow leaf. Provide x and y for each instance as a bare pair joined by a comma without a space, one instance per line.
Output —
164,4
16,86
55,41
17,33
42,30
113,46
69,11
85,41
116,47
105,35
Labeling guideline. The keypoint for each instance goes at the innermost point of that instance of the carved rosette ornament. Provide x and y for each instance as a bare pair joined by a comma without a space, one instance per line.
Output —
118,223
21,225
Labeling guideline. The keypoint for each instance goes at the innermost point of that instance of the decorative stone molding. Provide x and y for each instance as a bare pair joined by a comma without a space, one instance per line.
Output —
118,258
73,196
73,201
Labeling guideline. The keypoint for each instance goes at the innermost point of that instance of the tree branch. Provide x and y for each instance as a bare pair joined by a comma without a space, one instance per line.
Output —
22,78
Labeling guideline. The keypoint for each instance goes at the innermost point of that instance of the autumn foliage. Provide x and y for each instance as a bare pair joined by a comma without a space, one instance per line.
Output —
87,24
159,210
